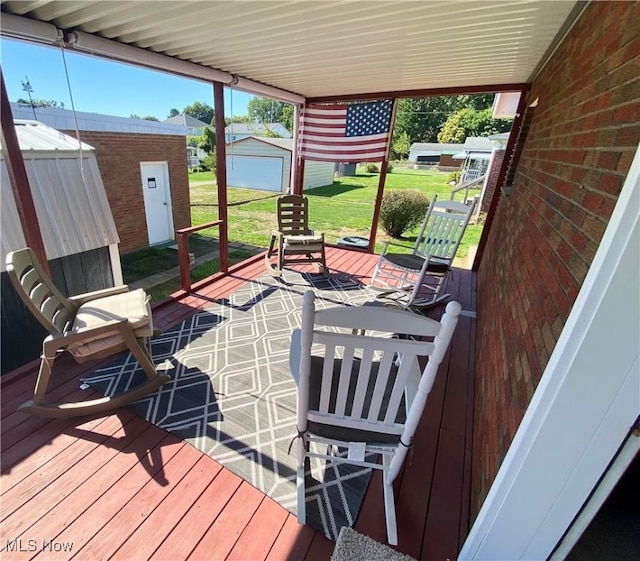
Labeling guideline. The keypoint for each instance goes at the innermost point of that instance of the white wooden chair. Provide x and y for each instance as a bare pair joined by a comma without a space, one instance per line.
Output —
362,389
89,326
417,278
293,241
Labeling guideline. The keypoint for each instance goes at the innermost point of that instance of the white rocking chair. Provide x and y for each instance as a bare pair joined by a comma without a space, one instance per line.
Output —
417,278
368,400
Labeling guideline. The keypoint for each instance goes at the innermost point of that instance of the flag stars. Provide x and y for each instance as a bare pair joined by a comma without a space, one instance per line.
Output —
364,119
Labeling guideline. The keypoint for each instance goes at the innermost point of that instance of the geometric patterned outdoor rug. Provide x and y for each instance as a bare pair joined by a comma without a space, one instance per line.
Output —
232,396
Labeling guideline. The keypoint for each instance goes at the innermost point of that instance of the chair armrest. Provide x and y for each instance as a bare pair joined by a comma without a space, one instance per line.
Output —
89,296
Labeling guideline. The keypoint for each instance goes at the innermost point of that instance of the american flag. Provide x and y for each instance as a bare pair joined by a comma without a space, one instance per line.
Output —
358,132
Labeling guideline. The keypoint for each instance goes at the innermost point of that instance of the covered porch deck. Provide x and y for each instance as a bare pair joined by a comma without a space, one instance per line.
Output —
118,487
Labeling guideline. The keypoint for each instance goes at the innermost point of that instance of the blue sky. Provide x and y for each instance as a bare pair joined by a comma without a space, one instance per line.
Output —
102,86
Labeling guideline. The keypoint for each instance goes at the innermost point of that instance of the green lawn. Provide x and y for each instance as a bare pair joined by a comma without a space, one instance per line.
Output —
344,208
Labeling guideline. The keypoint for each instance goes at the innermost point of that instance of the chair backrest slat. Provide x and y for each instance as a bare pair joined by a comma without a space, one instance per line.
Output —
345,379
327,377
382,381
443,228
293,216
362,383
406,364
38,292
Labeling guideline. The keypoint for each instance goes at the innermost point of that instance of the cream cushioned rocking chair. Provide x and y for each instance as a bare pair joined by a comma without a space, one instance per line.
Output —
89,326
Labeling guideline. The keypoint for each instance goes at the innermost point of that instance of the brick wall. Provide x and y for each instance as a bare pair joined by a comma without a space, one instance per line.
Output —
577,152
119,156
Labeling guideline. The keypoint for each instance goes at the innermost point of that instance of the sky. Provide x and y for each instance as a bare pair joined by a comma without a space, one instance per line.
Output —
102,86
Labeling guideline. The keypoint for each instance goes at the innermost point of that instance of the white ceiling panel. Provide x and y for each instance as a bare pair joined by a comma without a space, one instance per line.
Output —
331,48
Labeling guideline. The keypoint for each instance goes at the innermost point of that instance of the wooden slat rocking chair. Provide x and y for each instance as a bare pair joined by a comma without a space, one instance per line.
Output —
90,326
416,279
363,389
293,241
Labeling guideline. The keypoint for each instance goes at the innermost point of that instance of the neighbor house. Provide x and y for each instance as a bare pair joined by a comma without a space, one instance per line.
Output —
265,163
435,154
238,131
194,127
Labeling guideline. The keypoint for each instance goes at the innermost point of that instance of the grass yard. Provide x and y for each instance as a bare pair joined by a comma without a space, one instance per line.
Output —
198,273
344,208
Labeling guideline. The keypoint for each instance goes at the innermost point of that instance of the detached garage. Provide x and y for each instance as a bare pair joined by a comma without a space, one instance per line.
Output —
265,164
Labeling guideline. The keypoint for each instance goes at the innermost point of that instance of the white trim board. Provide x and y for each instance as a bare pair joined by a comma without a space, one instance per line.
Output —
583,408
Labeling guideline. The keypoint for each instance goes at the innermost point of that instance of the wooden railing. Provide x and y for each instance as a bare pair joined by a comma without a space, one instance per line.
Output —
183,251
475,183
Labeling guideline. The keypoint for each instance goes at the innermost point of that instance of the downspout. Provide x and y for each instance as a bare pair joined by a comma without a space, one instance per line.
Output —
19,180
513,140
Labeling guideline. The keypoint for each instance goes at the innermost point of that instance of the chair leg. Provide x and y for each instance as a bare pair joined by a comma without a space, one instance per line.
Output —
273,271
44,374
389,503
300,482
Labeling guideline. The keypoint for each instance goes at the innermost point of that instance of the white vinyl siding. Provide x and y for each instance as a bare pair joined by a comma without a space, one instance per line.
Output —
317,174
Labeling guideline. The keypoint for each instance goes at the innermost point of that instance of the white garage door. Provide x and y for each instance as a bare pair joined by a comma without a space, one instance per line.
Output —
252,172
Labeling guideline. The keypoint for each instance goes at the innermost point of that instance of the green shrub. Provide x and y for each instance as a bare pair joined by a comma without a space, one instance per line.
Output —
454,178
389,168
371,168
401,211
208,163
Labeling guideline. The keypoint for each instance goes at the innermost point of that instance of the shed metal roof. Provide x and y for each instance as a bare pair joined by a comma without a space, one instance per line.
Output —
35,136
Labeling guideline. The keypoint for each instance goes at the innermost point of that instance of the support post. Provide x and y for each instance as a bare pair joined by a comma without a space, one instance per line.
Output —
19,180
221,175
383,176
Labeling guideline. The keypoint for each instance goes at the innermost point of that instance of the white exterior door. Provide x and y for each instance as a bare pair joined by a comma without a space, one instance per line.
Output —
157,201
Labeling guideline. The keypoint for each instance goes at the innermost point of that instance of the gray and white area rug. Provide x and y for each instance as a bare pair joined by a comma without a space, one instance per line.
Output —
232,396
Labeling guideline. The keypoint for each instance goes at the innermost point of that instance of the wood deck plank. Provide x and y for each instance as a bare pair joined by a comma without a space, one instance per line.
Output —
441,531
223,535
151,533
93,485
292,542
261,532
139,507
184,537
45,465
50,496
94,518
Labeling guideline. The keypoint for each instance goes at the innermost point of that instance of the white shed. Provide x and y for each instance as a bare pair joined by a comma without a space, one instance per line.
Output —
265,163
70,199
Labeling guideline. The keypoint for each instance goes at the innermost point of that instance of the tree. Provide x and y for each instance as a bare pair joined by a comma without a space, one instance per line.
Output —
201,111
237,119
41,102
173,112
265,110
471,122
147,118
400,146
208,140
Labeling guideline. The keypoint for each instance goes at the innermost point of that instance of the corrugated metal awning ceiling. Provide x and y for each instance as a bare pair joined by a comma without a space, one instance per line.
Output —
331,48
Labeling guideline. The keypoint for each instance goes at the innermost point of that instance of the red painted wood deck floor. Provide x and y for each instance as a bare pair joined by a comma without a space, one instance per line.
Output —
117,487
